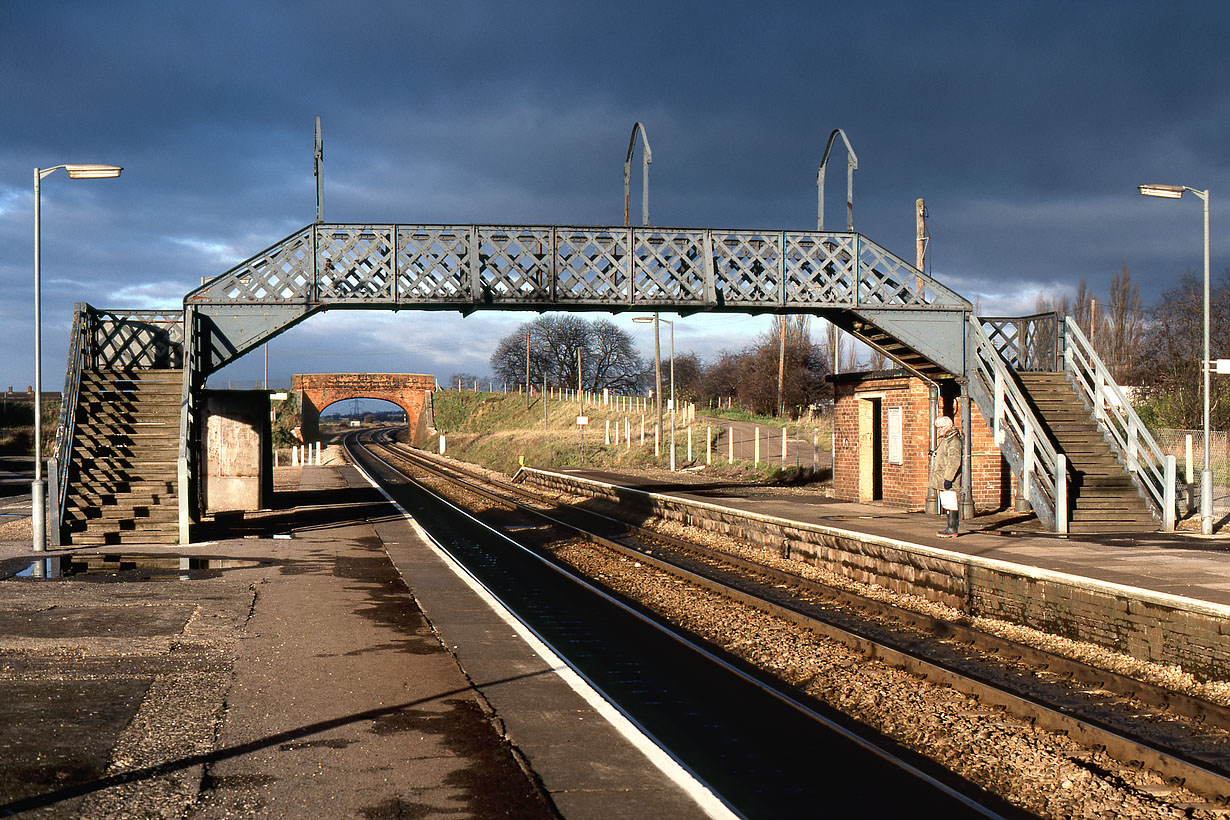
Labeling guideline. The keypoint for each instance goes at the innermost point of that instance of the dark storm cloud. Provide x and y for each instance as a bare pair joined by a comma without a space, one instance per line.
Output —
1025,125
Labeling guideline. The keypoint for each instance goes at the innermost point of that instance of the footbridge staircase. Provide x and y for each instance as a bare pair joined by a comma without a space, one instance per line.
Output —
842,276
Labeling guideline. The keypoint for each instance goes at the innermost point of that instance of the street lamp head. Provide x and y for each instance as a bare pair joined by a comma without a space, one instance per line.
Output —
92,170
1164,191
643,320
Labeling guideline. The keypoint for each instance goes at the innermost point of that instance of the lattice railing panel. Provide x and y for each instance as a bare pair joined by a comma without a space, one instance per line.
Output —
669,266
135,339
818,271
431,264
1026,342
514,264
356,265
747,268
591,265
282,273
885,280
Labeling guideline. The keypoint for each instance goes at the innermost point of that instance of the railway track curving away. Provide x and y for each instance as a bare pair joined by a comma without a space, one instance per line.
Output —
830,698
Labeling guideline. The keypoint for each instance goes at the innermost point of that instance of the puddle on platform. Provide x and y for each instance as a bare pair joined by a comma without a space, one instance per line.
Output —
132,567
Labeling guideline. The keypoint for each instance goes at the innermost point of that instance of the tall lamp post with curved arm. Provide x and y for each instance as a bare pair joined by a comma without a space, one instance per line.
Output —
38,504
1206,475
851,167
646,159
655,320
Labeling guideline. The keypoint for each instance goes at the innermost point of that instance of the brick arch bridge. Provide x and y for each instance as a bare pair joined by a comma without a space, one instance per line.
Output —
316,391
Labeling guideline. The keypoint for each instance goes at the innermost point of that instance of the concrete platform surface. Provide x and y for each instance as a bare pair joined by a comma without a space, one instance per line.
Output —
306,669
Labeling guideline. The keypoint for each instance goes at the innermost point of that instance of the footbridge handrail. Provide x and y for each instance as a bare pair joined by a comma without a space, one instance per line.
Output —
78,345
1041,470
1152,469
1026,342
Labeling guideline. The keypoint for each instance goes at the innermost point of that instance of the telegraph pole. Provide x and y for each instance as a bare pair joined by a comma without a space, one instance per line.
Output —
781,363
580,406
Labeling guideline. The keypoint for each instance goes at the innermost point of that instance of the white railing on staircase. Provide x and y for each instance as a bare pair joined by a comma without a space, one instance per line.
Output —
1153,470
1041,471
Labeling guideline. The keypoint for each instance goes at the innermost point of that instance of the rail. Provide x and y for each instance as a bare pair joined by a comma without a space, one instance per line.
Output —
1152,470
1024,441
78,344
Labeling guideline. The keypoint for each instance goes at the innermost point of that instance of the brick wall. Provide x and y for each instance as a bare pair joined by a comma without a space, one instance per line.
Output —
316,391
1152,626
904,484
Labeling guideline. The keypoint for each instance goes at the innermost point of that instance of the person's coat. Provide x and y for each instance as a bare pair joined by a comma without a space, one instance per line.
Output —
946,462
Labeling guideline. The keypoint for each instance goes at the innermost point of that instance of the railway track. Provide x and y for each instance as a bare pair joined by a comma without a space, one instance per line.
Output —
1183,738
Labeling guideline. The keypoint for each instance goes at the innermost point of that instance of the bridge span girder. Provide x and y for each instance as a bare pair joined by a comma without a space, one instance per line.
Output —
489,267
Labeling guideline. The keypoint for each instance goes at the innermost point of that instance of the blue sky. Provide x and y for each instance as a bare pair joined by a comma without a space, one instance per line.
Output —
1025,125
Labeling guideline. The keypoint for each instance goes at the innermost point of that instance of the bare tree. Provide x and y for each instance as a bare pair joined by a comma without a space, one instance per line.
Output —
878,360
1050,303
1125,327
462,381
609,359
1173,347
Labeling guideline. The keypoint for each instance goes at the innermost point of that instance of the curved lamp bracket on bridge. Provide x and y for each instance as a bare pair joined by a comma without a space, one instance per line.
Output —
851,166
647,155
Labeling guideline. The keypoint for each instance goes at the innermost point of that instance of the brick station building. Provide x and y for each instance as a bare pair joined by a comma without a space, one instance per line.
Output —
882,433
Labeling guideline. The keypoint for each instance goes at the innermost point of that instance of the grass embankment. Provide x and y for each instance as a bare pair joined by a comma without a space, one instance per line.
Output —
819,427
496,431
17,426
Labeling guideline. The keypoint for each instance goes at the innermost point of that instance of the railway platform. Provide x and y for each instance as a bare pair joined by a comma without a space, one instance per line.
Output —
318,660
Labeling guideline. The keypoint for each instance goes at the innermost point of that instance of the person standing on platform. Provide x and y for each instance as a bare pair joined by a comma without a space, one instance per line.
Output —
945,469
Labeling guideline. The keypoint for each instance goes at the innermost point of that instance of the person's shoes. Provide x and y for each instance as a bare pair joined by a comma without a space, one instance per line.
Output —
951,530
946,534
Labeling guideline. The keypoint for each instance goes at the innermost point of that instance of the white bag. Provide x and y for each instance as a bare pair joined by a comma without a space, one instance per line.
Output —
948,499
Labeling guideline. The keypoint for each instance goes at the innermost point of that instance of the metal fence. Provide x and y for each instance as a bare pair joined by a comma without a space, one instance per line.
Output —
1174,442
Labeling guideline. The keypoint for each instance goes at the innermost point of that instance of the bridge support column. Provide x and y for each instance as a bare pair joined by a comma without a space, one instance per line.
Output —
967,454
932,506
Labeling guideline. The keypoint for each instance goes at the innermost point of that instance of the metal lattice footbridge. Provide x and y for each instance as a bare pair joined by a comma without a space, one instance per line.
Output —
488,267
842,276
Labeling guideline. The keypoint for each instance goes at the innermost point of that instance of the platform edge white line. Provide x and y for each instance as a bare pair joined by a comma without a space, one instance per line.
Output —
702,795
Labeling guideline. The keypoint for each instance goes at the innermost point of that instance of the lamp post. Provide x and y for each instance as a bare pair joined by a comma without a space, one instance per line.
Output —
646,159
655,320
851,167
1206,475
38,505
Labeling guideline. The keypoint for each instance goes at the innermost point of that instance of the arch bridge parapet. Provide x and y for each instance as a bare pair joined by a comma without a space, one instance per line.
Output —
316,391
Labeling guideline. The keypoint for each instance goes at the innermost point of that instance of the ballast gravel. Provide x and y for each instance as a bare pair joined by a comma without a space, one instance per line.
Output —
1043,772
1040,771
